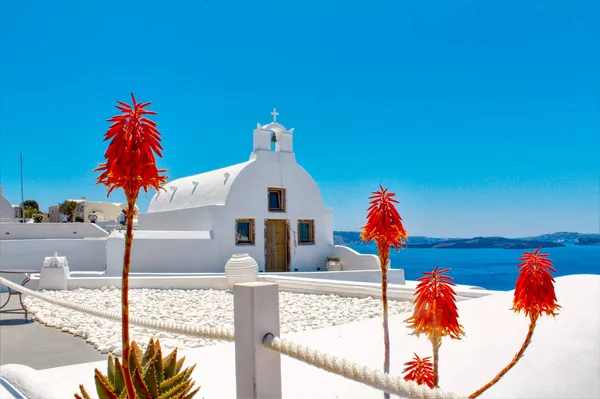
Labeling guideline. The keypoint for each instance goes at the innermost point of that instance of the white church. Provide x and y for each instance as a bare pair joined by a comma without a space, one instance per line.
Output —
268,207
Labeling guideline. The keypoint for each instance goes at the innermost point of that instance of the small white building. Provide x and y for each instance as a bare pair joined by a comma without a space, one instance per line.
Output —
105,211
268,207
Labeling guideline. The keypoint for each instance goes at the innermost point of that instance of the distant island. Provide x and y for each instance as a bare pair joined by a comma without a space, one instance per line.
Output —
488,242
544,241
588,241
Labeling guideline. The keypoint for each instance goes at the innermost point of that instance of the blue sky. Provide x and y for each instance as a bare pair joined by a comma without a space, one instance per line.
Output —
483,116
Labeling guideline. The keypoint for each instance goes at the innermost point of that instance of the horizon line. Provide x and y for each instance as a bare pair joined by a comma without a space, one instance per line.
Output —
482,236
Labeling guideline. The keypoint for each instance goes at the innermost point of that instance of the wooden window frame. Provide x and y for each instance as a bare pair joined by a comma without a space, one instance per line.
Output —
252,232
311,231
282,199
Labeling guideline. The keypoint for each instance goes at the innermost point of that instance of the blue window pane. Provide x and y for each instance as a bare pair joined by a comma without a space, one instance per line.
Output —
304,232
274,200
243,231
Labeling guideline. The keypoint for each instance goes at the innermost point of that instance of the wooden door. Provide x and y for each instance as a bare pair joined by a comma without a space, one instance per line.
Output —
276,241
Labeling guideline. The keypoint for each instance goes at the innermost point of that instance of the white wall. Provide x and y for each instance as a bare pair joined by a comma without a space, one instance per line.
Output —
352,260
108,225
155,282
174,256
397,292
156,254
83,255
106,211
191,219
6,209
395,276
19,231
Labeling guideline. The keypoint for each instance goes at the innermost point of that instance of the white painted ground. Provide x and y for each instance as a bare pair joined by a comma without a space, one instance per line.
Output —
563,360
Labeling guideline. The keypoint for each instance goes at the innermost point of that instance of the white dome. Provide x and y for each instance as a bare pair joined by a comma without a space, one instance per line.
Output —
276,127
210,188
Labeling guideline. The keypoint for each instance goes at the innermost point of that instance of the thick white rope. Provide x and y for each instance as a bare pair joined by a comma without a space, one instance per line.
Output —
224,334
363,374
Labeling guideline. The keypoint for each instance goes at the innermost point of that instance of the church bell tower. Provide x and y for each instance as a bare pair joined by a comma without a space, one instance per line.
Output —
275,133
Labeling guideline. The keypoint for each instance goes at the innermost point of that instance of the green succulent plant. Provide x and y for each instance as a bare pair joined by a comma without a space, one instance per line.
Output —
154,377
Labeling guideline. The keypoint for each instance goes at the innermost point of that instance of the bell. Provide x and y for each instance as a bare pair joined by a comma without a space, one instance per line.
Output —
273,138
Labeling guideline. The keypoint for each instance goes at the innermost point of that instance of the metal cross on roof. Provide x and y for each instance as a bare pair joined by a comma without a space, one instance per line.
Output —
274,113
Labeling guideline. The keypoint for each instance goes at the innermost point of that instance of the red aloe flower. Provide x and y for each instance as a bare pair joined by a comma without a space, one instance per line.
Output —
534,295
435,313
384,226
534,291
419,371
130,162
130,165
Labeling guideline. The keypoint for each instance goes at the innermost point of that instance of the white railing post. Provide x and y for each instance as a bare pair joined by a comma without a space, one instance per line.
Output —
256,313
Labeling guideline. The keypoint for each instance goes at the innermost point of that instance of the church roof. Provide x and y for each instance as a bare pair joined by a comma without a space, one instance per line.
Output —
210,188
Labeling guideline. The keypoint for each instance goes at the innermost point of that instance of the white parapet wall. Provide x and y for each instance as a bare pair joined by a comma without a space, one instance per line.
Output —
164,252
296,283
154,281
83,254
398,292
210,282
41,231
352,260
26,245
395,276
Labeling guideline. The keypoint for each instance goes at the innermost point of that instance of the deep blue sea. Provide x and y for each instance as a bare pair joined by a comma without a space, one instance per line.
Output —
493,269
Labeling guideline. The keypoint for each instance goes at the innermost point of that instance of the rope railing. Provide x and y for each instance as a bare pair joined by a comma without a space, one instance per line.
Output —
222,334
363,374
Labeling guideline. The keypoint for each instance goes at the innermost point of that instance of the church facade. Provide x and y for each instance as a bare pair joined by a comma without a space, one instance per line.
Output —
268,207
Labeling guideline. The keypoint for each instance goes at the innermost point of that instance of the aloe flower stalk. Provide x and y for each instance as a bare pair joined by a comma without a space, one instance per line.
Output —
535,296
435,313
384,226
130,165
420,371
